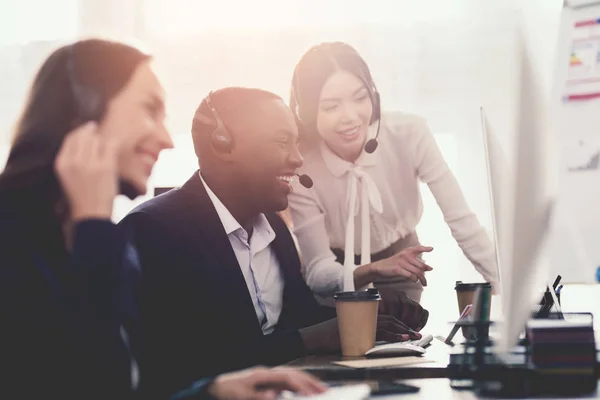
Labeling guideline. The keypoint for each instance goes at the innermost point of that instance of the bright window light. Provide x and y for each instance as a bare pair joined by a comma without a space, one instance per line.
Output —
23,21
180,17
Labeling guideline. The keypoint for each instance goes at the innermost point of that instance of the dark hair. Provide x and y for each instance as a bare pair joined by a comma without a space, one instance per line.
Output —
100,67
229,102
311,73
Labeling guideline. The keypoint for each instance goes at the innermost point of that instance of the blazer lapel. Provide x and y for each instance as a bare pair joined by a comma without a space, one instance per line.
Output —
289,263
284,248
214,245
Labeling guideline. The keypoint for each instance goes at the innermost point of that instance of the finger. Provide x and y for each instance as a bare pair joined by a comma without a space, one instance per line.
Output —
391,337
90,149
67,147
417,318
393,325
265,395
416,274
405,269
72,141
415,335
423,320
410,267
311,384
421,249
85,142
277,379
419,264
297,381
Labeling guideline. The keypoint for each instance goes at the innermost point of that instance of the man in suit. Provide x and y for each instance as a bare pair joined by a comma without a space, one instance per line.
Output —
221,284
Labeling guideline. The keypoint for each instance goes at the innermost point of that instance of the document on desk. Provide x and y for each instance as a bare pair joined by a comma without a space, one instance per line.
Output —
383,362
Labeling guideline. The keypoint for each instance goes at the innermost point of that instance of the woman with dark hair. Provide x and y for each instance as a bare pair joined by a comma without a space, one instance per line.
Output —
93,127
357,224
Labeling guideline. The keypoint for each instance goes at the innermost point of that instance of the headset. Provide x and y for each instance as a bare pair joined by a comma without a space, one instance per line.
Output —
222,141
220,137
371,144
87,100
90,107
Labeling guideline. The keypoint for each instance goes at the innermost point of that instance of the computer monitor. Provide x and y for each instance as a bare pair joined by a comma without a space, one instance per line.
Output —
525,206
497,173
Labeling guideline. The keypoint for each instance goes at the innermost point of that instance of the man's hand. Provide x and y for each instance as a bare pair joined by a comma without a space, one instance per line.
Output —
263,384
389,329
397,304
325,337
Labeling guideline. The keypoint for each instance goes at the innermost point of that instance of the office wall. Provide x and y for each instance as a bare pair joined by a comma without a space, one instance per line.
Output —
440,59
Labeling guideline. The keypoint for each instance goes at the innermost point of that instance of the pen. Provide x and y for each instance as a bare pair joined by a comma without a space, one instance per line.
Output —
556,282
558,289
402,324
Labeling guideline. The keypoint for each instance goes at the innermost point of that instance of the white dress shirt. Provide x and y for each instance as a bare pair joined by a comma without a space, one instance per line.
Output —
257,261
380,190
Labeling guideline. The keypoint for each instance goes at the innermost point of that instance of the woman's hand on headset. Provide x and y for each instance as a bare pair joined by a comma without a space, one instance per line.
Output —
407,264
86,167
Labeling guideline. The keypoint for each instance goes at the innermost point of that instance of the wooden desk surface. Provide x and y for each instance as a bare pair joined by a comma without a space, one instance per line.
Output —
322,367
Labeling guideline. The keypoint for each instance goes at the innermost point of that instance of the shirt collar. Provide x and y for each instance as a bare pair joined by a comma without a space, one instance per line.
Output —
230,224
338,166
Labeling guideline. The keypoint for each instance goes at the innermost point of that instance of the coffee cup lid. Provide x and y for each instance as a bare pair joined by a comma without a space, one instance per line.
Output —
471,286
363,295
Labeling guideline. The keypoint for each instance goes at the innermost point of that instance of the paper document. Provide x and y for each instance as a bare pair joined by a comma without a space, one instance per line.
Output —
383,362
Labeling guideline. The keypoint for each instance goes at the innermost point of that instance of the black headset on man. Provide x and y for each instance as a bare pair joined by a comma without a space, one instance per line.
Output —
222,140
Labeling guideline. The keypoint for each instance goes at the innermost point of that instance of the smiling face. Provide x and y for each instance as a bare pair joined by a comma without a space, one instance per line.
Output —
266,156
136,118
344,114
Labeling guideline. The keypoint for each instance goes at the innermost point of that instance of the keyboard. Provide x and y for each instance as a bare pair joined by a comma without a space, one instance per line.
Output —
350,392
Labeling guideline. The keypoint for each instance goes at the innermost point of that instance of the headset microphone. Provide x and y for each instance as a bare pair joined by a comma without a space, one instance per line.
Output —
305,181
371,146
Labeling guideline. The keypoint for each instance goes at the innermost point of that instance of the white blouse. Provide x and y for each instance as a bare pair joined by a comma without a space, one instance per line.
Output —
383,190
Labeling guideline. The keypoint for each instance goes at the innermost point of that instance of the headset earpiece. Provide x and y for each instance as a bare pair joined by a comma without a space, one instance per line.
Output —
220,138
87,100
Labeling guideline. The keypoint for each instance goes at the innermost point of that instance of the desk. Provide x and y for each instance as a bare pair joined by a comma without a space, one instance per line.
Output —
439,389
435,389
322,367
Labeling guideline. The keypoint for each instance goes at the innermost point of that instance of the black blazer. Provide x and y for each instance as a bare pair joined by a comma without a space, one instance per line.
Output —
61,312
196,312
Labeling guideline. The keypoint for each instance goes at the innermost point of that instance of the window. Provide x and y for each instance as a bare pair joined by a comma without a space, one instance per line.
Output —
24,21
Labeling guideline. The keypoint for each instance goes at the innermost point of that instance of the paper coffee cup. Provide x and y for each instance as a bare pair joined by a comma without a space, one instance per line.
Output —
465,295
357,320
